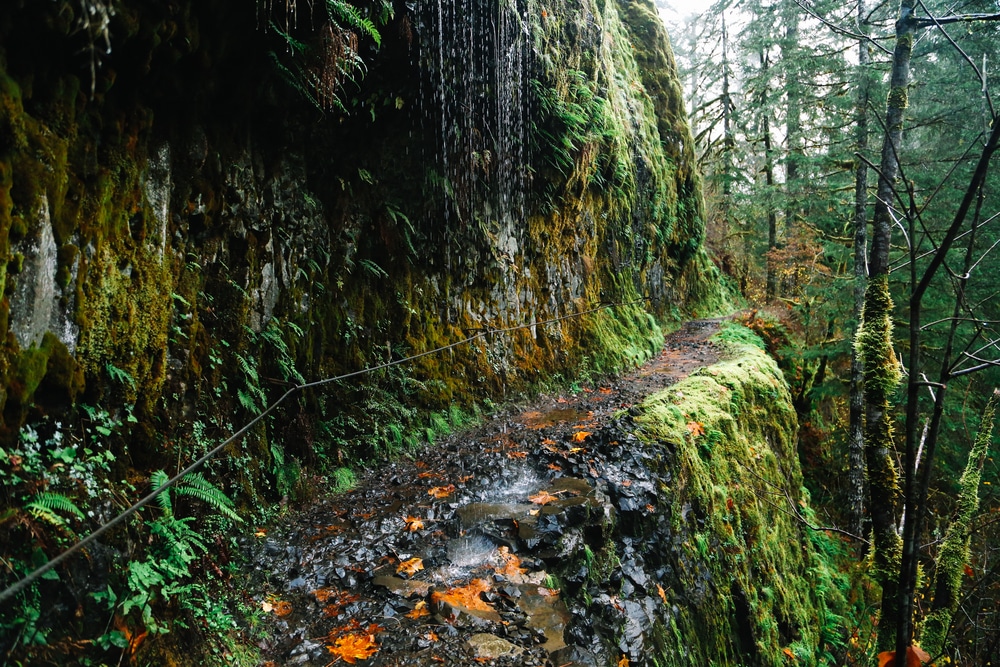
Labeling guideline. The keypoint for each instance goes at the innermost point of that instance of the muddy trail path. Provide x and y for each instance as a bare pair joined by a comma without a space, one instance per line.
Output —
490,547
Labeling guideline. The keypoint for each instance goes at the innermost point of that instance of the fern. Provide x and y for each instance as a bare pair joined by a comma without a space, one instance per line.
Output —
156,480
341,12
196,486
44,505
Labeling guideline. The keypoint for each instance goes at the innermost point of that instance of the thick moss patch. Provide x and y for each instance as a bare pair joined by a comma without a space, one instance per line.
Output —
751,584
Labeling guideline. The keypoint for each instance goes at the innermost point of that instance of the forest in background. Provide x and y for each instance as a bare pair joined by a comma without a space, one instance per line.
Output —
847,147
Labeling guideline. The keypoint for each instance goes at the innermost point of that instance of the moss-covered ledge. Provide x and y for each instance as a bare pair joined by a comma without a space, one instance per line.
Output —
749,582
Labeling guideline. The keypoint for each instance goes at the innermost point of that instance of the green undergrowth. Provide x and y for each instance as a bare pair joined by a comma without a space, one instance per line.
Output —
753,584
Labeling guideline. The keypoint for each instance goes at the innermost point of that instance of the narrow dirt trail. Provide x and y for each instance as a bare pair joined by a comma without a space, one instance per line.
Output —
449,559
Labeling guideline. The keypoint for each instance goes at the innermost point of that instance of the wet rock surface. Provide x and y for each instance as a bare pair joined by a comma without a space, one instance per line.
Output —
514,543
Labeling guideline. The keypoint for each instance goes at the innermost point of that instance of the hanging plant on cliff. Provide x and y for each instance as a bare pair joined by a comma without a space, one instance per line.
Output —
322,47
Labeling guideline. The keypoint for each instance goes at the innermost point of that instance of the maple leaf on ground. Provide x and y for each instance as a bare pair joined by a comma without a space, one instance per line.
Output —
605,390
787,651
555,466
410,567
413,524
419,611
440,492
623,662
662,593
517,455
323,594
915,657
354,647
695,428
466,596
511,564
580,436
279,607
542,498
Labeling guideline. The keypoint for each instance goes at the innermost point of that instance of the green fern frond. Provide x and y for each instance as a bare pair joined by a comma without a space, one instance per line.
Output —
54,502
156,480
341,12
48,516
246,400
196,486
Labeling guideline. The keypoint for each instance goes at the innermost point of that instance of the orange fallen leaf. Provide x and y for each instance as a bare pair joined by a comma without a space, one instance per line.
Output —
419,611
431,636
561,400
650,508
511,564
787,651
555,466
577,450
465,478
969,572
580,436
542,498
410,567
623,662
282,608
427,475
662,593
440,492
517,455
548,441
260,532
695,428
466,596
605,390
413,524
627,482
323,594
915,657
354,647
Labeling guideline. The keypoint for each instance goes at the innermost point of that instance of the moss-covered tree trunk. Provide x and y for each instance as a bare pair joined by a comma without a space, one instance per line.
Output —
881,371
954,553
881,375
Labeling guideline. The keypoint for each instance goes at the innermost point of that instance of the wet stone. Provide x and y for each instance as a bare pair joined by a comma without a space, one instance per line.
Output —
403,587
474,514
490,647
546,613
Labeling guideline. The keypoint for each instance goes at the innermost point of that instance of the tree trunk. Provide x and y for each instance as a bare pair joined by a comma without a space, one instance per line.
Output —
889,165
771,287
856,440
793,112
881,375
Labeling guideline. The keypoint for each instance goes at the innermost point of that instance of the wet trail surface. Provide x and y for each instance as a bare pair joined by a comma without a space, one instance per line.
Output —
483,548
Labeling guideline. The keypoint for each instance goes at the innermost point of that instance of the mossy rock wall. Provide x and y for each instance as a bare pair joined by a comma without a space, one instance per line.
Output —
183,237
744,581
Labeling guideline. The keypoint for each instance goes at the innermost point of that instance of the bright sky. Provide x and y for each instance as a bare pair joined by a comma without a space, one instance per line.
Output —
675,10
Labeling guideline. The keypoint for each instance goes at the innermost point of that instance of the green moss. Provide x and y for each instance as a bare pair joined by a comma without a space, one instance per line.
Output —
731,431
898,98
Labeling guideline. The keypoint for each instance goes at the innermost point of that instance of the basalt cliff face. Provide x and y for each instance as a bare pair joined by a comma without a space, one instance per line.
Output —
184,235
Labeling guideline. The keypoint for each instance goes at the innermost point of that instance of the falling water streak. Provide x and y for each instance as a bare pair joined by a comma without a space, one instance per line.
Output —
473,56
